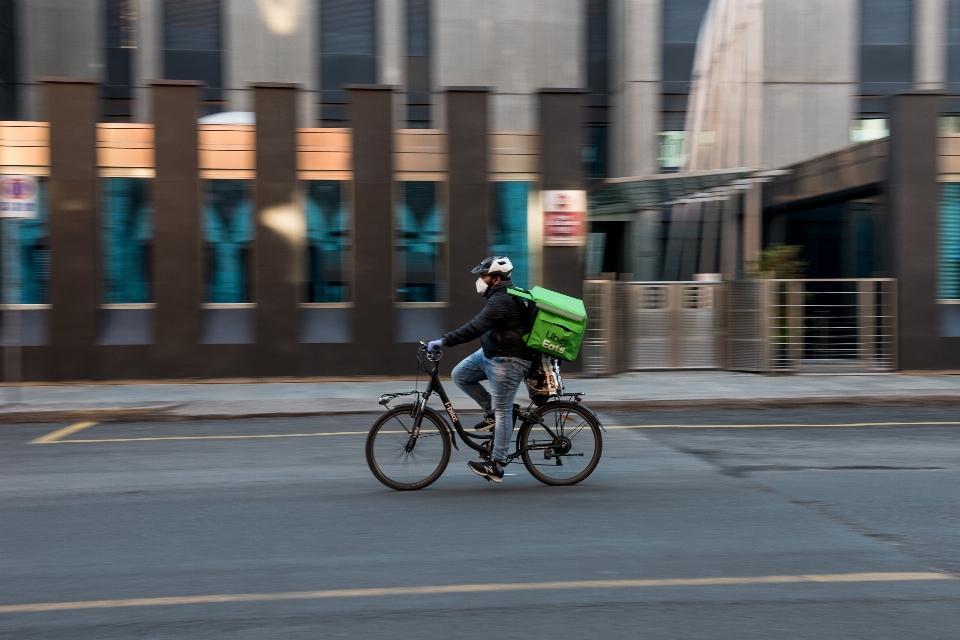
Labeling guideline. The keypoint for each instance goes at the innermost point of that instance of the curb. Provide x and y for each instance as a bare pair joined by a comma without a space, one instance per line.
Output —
183,412
810,402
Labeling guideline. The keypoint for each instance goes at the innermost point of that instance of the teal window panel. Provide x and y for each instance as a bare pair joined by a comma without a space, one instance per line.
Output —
948,271
508,234
328,242
127,238
420,242
228,240
26,281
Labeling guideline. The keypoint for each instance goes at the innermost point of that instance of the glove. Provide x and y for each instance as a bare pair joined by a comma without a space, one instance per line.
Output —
434,345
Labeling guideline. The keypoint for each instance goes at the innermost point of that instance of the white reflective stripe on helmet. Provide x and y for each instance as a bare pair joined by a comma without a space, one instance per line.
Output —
500,265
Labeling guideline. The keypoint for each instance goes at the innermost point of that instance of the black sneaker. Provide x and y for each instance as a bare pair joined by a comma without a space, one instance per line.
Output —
489,469
488,422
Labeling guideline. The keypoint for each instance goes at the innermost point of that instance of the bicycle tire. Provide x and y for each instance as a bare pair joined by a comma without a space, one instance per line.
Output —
396,446
562,411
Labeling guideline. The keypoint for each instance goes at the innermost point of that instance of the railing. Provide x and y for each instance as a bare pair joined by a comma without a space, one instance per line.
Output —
600,339
846,325
651,325
830,325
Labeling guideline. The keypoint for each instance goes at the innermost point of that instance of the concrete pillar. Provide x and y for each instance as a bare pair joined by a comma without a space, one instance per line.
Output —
730,239
72,108
752,226
913,203
269,42
930,34
469,196
148,58
560,168
636,48
280,230
176,228
373,316
392,54
56,38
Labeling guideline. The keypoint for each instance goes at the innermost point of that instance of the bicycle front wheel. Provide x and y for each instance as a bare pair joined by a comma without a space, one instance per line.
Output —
402,461
569,451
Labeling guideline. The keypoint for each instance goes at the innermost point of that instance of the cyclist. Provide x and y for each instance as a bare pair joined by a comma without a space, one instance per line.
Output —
503,358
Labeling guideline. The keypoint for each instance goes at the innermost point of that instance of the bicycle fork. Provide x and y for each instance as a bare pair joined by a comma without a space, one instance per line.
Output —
417,421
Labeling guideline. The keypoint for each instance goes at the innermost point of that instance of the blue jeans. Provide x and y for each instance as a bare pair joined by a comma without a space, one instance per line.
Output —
505,376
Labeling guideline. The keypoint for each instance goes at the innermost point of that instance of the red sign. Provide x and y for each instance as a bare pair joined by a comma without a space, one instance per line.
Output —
18,197
564,218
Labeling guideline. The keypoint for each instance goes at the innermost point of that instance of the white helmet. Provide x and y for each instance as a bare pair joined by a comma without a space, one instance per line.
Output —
495,266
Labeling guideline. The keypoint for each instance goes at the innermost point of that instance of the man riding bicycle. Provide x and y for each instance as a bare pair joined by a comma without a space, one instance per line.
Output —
503,358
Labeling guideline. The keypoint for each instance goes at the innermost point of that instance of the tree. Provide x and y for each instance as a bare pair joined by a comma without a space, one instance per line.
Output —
782,261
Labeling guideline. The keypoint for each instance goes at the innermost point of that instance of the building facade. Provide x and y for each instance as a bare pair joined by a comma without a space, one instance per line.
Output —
827,64
354,158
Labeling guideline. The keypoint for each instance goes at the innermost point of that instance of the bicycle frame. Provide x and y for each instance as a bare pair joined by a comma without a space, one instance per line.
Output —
435,386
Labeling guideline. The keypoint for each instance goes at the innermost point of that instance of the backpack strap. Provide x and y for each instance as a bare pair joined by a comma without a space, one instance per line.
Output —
520,293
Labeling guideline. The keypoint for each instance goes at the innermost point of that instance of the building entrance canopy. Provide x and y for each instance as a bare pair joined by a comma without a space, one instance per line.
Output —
620,196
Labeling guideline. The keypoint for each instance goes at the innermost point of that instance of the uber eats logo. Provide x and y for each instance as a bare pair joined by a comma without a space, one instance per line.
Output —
554,342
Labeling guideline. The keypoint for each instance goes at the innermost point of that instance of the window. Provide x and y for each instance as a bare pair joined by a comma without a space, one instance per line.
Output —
681,29
868,129
508,228
953,46
328,242
8,61
595,151
886,22
597,113
672,156
948,281
418,64
886,46
121,33
127,239
682,20
26,280
348,53
228,237
192,43
420,243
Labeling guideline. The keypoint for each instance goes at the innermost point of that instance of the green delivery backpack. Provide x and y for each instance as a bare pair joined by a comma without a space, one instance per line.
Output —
558,324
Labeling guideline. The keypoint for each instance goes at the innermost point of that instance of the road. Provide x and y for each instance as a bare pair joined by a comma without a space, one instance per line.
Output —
714,527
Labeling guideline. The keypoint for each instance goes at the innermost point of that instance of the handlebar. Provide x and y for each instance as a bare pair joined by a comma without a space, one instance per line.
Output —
433,356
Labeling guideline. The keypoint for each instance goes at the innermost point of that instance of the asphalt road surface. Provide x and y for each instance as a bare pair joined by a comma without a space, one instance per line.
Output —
716,527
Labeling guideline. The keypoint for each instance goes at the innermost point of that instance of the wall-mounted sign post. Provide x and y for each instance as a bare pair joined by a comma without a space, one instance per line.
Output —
564,218
18,199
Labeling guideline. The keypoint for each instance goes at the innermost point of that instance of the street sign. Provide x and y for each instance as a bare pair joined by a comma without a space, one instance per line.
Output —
564,218
19,197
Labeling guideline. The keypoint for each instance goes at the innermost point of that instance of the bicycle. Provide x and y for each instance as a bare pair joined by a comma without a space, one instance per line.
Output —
409,446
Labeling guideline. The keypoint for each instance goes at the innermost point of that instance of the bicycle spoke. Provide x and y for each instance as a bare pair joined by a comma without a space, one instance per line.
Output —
399,459
571,454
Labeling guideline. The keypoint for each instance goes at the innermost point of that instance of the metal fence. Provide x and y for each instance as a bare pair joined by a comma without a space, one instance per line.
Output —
651,325
831,325
599,297
753,325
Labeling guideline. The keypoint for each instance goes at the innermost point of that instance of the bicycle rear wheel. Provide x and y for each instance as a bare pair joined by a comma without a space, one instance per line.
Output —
571,453
402,462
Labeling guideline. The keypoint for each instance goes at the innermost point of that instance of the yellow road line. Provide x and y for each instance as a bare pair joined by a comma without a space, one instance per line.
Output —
238,437
57,436
60,433
473,588
781,425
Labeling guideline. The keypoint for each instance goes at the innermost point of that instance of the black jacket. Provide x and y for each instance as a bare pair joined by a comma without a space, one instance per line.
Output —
500,325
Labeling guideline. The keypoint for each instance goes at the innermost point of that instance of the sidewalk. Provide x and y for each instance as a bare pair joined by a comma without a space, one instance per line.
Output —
668,390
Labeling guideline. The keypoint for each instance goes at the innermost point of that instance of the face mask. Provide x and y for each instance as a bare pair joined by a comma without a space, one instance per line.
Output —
481,286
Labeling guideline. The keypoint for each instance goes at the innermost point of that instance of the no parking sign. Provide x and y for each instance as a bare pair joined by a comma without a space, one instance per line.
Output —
18,197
